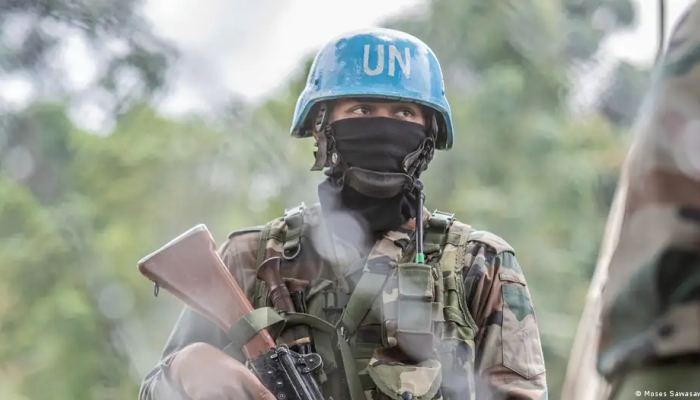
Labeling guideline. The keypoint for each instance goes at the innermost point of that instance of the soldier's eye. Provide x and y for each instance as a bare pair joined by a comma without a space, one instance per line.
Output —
405,113
362,110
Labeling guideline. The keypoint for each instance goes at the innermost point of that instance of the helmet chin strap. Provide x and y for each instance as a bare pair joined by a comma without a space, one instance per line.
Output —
324,134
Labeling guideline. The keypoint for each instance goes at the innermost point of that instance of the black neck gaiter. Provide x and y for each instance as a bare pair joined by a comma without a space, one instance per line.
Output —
378,145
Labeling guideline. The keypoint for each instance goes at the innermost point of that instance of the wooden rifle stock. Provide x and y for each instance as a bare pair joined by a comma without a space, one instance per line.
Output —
190,268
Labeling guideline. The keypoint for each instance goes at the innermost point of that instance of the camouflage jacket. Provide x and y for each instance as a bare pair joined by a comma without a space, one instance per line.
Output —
508,361
643,305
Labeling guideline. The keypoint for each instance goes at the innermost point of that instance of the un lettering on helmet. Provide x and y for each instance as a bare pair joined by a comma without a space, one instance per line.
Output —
394,57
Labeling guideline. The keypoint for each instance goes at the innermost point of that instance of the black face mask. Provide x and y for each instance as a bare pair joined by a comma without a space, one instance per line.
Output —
369,188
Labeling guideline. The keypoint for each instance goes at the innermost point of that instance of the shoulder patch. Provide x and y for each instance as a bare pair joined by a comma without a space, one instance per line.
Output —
491,240
244,231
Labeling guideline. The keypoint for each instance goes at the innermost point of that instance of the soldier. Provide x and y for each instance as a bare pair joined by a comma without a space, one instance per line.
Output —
639,336
464,328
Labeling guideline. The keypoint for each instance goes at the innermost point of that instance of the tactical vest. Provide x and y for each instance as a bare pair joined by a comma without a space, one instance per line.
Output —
390,303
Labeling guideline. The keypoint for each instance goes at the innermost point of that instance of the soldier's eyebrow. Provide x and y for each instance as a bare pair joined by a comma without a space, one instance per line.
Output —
349,105
403,105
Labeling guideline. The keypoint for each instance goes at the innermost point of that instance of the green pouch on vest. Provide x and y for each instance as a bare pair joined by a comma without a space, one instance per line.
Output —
410,310
393,378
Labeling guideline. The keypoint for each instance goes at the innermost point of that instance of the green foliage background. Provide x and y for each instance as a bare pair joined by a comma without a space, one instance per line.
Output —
77,210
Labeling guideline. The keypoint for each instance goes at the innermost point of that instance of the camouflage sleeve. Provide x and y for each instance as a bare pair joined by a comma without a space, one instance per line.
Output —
192,327
509,359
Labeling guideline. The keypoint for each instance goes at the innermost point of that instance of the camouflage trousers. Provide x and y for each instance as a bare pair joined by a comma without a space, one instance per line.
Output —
681,380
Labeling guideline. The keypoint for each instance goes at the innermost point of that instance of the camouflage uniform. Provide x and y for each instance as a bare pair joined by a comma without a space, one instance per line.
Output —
643,313
508,357
425,327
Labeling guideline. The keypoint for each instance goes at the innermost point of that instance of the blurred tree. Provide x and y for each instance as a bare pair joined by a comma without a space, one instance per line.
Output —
37,150
130,64
57,342
55,345
32,33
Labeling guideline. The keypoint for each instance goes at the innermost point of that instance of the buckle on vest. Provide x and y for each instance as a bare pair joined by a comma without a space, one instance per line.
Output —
293,218
441,220
436,233
293,211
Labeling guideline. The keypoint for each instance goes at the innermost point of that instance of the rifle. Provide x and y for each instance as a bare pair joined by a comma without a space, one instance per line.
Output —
190,268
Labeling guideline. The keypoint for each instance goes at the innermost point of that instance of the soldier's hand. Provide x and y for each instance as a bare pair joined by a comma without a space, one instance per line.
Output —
207,373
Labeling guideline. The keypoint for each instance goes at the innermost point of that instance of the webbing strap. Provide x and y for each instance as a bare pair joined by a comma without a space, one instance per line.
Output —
259,299
244,231
352,379
264,237
351,376
309,320
361,299
246,327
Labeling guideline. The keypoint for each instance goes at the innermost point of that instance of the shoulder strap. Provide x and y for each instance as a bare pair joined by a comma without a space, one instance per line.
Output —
265,236
279,237
384,256
244,231
450,237
282,235
435,238
294,221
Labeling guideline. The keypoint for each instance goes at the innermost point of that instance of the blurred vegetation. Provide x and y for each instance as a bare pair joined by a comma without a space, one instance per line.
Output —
78,209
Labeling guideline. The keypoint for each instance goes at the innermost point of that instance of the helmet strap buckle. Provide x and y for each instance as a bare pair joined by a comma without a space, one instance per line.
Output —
323,130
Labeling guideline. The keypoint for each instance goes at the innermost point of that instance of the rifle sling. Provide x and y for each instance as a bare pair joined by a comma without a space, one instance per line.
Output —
249,325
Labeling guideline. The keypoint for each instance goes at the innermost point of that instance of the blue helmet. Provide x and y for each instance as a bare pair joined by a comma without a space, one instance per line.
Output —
376,63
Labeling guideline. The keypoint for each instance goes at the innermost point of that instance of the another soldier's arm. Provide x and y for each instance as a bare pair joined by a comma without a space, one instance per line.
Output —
191,327
509,359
